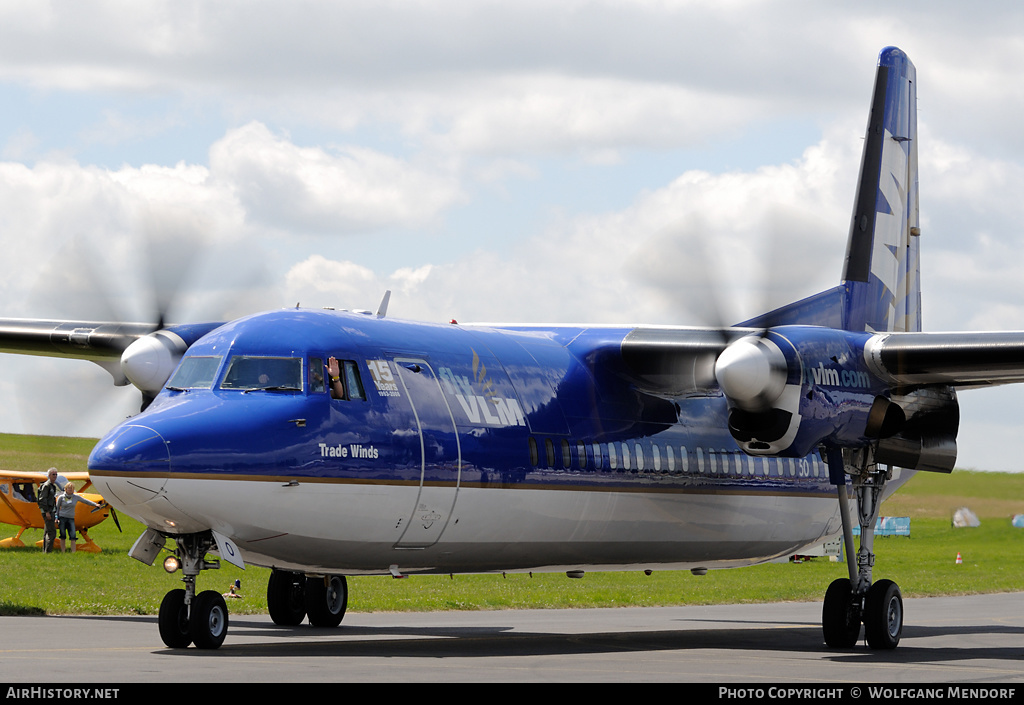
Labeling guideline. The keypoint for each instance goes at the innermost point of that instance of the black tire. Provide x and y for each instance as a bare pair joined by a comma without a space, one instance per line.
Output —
883,615
326,600
840,617
173,620
286,598
208,620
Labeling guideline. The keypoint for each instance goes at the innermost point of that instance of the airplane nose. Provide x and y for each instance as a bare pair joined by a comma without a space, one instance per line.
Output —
131,463
130,445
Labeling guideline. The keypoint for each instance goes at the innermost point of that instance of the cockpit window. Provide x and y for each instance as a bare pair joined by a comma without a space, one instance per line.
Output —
195,373
316,375
269,373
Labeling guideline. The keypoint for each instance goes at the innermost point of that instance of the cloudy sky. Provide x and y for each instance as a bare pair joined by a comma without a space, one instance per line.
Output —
578,161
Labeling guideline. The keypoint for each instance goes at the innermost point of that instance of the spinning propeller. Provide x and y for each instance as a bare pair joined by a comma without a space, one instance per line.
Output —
160,270
793,379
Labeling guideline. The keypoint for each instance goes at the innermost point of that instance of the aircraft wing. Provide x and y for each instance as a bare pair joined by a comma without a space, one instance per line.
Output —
99,342
963,360
676,361
681,362
40,477
107,344
87,340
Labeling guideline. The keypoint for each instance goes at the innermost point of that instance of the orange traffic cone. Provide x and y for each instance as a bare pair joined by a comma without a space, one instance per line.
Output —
959,558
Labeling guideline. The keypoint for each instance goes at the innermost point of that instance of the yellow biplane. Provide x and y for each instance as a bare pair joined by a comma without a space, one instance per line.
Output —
18,507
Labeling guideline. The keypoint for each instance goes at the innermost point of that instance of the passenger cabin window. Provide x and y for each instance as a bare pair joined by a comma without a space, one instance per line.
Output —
250,373
196,372
353,383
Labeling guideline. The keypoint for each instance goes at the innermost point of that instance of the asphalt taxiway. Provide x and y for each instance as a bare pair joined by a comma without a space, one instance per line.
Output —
977,639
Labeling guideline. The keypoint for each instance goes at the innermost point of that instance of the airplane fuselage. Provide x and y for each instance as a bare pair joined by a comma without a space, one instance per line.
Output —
456,449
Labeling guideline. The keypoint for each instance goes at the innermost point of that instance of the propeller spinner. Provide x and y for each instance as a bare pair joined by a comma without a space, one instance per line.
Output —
149,361
752,373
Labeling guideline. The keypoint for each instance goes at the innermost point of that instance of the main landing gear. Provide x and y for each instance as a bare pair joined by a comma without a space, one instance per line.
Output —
855,600
293,596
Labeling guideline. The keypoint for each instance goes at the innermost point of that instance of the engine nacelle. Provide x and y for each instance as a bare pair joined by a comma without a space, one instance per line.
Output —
798,387
149,361
927,440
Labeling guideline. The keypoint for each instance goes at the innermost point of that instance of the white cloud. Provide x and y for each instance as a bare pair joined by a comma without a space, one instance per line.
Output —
340,190
644,263
550,113
318,281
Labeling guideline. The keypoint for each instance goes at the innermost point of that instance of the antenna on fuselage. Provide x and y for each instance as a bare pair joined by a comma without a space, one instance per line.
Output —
383,308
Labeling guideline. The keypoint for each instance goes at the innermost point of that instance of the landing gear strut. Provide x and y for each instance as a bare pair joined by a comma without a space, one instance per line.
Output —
185,617
851,601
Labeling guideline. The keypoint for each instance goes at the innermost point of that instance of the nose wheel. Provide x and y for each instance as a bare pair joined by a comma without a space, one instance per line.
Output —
208,620
173,620
185,617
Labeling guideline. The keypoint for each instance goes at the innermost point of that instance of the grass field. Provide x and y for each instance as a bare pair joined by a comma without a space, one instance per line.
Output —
923,564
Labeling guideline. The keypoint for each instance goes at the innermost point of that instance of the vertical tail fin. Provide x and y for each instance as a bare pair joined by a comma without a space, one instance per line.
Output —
881,287
881,274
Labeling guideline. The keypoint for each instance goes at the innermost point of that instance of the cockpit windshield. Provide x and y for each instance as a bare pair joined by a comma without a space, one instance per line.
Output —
195,372
267,373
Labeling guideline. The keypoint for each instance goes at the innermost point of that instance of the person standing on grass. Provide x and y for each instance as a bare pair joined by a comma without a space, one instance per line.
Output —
66,514
47,501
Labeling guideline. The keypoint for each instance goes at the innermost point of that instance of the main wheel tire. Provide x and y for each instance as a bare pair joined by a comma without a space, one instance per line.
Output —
173,620
286,598
208,620
840,619
883,615
326,600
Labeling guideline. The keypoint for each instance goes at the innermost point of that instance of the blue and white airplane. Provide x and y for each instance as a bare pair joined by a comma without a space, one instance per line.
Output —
327,443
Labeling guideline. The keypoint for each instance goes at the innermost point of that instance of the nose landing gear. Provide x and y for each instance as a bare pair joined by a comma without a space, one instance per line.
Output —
185,617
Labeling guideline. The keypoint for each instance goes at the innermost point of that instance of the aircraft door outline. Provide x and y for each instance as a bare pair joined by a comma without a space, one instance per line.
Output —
438,483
